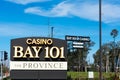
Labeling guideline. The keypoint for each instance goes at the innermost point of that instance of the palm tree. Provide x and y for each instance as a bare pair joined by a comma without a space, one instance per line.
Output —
114,34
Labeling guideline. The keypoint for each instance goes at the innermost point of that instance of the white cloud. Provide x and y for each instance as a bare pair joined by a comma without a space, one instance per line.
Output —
24,2
60,10
111,13
87,10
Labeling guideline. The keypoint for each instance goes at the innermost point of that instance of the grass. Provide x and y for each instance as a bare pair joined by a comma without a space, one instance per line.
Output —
77,74
84,75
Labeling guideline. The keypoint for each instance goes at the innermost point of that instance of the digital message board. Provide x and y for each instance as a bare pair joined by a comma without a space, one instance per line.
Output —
38,58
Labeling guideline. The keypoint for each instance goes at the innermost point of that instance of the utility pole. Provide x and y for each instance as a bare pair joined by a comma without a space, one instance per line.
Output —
52,32
100,37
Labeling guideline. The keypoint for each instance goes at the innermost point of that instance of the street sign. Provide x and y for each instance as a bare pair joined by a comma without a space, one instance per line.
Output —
77,38
91,75
84,39
78,45
71,38
78,41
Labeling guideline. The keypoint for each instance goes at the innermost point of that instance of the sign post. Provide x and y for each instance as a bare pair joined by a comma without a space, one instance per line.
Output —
78,42
91,75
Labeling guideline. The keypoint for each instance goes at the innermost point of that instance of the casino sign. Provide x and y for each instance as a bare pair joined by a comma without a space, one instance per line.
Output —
38,58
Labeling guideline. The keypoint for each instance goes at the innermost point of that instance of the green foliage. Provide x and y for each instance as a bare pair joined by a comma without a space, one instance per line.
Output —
5,69
84,76
7,78
77,57
108,51
114,33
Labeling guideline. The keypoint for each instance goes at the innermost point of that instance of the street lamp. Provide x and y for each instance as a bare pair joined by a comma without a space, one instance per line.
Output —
52,32
100,37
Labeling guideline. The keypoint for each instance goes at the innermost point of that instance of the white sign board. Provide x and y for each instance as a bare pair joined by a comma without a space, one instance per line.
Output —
32,65
90,74
78,43
76,46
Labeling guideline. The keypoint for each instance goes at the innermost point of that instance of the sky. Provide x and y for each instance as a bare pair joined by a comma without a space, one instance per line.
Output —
29,18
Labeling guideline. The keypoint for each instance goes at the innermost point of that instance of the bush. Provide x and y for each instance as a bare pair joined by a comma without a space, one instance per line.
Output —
7,78
69,78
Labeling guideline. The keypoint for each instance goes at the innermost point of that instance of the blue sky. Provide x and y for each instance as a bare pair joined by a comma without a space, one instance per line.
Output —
24,18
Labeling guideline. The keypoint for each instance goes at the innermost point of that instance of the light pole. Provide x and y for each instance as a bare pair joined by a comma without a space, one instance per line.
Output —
52,32
100,37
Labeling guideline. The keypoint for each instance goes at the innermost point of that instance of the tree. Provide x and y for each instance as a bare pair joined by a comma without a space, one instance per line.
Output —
118,54
108,47
114,34
77,57
105,49
4,69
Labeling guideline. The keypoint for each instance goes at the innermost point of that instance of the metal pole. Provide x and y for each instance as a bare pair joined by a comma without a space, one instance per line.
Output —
48,27
52,32
100,37
1,64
